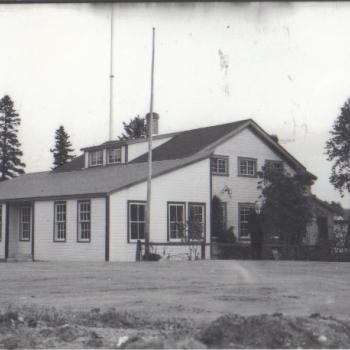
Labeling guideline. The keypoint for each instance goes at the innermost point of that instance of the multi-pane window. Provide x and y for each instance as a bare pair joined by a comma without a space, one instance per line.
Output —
84,221
247,167
137,220
244,214
274,164
114,155
24,223
96,158
219,165
196,220
60,221
176,220
0,222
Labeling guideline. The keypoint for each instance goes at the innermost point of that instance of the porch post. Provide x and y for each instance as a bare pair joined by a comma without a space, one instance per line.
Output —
7,225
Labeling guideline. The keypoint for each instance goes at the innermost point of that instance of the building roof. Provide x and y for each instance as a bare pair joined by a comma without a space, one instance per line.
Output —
76,163
182,149
120,143
86,182
189,142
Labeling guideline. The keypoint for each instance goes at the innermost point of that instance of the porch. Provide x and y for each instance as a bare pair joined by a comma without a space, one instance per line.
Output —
18,222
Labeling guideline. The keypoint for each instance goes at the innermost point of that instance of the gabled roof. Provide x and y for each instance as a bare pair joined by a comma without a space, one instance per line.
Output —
187,143
86,182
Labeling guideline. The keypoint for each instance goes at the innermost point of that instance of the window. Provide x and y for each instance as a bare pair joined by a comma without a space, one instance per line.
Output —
219,165
137,220
24,223
60,221
176,221
114,155
244,213
274,164
247,167
96,158
196,219
0,222
84,221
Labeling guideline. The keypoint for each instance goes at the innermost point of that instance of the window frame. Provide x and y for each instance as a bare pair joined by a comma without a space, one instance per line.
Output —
21,222
203,205
55,221
247,159
169,204
91,153
244,206
129,203
219,158
108,155
79,221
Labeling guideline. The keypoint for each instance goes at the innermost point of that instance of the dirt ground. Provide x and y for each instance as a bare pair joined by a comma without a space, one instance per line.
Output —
175,304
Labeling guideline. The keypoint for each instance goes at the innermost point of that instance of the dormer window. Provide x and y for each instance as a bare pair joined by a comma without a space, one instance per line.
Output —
96,158
114,155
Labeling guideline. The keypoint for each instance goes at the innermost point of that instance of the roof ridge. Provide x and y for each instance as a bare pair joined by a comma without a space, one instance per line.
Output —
169,134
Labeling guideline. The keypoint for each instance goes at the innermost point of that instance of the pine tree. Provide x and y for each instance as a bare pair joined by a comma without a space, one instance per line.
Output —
10,152
135,129
62,152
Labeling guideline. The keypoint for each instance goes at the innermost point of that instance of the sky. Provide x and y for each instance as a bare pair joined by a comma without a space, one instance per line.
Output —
285,65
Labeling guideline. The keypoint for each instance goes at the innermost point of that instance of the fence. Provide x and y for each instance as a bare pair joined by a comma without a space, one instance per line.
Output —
280,251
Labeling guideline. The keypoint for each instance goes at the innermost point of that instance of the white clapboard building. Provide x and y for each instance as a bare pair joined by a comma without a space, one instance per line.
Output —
93,208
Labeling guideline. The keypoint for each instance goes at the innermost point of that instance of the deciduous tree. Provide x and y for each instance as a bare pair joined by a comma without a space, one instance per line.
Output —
286,209
135,129
338,150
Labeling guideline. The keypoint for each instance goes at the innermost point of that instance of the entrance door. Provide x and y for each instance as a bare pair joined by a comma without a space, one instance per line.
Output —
20,231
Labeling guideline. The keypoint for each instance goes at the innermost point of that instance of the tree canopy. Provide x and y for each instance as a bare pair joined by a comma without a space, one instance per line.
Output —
286,209
338,150
63,151
136,128
10,152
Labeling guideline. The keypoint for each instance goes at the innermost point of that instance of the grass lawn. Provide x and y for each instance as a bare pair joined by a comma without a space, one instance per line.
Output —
201,290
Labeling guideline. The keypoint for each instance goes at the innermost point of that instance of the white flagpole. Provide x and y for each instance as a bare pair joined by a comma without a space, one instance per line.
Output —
149,177
111,76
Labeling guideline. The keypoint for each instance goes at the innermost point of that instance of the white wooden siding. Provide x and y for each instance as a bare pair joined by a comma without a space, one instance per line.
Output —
137,149
70,250
244,189
188,184
3,232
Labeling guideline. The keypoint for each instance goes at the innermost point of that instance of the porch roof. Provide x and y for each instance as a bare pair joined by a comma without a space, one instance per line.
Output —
99,181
